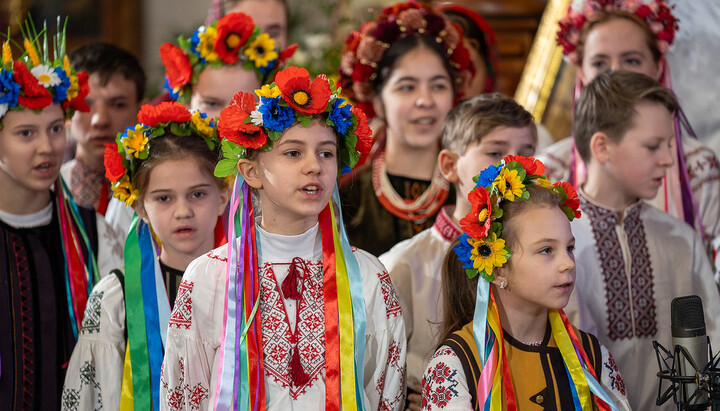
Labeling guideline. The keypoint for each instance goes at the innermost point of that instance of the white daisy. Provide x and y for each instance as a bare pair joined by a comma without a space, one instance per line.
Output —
3,109
256,118
45,75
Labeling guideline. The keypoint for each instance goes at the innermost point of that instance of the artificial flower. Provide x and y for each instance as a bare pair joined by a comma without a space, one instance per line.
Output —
267,91
364,135
164,112
6,53
531,165
233,31
82,90
9,89
478,221
123,190
370,50
464,252
274,116
178,70
32,94
341,115
205,45
286,54
175,93
488,175
261,51
3,111
487,254
232,126
61,89
203,124
31,52
306,96
571,202
135,140
509,184
45,75
112,159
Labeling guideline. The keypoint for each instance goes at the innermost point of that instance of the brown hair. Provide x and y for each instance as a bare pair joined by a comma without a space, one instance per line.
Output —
478,116
650,37
607,104
457,290
171,147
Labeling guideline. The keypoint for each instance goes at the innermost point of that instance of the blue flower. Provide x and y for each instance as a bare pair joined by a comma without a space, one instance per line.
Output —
62,88
346,169
173,94
269,67
341,116
464,251
9,89
488,175
195,43
275,117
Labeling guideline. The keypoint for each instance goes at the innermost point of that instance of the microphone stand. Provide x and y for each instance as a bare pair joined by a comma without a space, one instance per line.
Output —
706,380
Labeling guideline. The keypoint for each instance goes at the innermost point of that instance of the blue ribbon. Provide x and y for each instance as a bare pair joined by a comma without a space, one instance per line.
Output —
149,263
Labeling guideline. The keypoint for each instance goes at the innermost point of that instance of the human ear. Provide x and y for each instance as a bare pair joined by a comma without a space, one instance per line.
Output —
140,210
600,145
250,172
224,197
501,280
447,163
379,107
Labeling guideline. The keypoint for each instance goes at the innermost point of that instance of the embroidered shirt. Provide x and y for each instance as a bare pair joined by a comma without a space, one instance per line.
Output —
86,184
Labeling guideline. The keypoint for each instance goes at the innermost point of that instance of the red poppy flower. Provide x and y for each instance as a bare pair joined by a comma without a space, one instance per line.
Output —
531,165
233,31
478,221
232,126
33,95
364,136
177,66
306,96
572,202
164,112
113,163
78,103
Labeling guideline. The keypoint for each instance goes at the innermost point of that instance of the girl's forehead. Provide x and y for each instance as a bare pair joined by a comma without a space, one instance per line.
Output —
47,115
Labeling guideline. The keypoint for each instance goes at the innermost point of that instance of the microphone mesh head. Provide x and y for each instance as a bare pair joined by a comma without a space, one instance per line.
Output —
687,317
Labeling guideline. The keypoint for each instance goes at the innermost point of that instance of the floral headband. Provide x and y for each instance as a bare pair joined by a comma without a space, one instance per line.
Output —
226,41
37,80
481,247
122,157
656,13
365,48
293,97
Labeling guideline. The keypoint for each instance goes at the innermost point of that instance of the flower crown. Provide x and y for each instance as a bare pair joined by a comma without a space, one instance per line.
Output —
293,97
656,13
122,157
481,247
231,39
365,48
37,80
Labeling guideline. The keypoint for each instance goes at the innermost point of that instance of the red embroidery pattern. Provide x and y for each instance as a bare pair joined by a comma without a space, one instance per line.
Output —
624,301
182,397
182,311
445,226
211,255
392,303
276,333
702,167
616,381
439,383
393,363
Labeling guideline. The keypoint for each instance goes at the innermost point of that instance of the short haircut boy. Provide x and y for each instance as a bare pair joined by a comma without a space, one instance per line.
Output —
607,104
476,117
105,59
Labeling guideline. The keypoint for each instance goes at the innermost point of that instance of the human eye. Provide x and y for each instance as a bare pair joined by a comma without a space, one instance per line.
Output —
57,128
198,195
546,250
405,87
292,153
441,85
633,61
495,155
25,132
571,249
598,65
652,147
163,198
120,105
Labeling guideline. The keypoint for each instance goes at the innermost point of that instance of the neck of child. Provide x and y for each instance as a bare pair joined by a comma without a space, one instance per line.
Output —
178,261
284,225
22,201
409,161
602,189
92,162
462,207
525,322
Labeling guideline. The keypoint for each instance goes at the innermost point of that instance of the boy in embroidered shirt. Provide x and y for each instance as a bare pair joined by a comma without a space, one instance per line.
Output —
51,251
632,258
326,319
117,85
478,133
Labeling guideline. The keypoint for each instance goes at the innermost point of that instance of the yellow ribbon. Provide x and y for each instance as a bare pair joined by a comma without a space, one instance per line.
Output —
562,339
496,396
127,403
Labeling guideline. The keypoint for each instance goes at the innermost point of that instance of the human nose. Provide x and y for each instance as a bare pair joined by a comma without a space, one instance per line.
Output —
44,143
183,209
100,117
668,155
425,97
567,262
312,165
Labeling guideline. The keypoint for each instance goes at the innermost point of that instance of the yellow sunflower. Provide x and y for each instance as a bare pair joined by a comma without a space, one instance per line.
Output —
543,182
202,125
123,190
488,253
261,51
205,46
267,91
135,141
509,184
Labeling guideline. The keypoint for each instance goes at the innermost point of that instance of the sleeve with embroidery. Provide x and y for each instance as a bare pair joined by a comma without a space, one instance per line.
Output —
187,380
385,343
94,373
110,247
443,385
612,381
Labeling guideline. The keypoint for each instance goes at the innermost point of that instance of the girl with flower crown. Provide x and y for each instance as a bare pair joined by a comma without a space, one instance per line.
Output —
506,343
408,66
51,250
599,35
287,315
163,167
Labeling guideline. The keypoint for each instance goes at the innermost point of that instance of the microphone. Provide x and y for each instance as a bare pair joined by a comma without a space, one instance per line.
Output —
689,335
